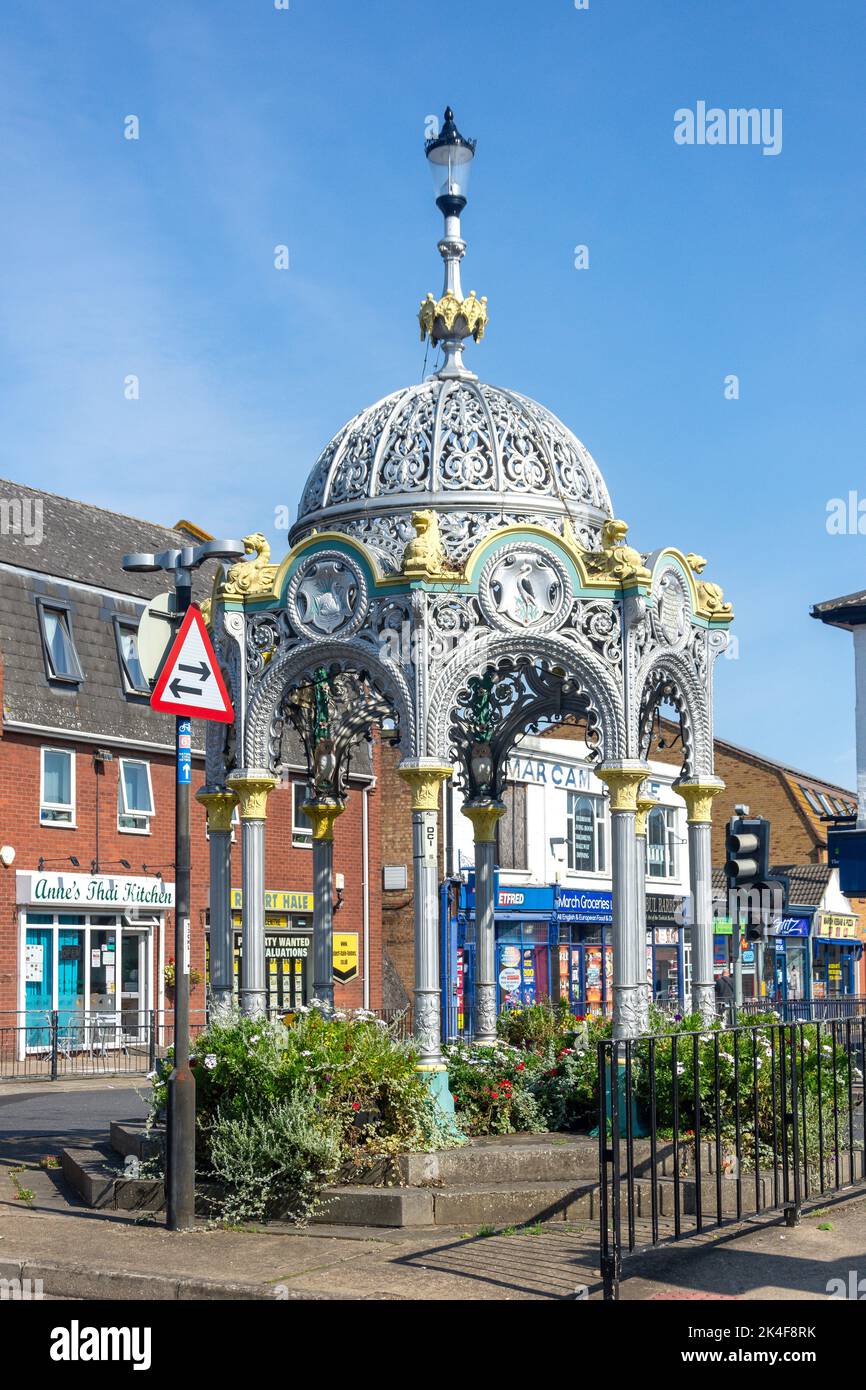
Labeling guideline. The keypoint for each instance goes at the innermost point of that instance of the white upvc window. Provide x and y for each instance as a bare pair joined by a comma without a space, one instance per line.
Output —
134,796
57,787
302,830
661,842
585,833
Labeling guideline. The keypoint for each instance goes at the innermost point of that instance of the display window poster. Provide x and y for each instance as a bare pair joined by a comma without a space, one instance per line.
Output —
33,964
529,977
563,972
592,965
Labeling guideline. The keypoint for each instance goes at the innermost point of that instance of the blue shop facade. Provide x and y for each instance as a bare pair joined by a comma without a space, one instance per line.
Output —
553,942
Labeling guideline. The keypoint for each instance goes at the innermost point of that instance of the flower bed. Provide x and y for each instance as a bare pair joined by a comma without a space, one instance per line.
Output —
282,1111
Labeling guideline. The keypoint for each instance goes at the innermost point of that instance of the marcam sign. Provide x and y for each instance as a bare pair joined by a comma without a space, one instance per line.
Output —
93,890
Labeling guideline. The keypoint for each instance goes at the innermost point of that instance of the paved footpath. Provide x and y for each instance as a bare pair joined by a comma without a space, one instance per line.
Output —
82,1254
79,1253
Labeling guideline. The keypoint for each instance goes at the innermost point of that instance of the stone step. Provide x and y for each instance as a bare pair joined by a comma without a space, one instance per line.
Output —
134,1137
571,1158
92,1174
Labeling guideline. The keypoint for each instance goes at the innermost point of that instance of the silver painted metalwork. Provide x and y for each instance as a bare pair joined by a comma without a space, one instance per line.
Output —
427,999
701,883
484,1022
630,1004
254,986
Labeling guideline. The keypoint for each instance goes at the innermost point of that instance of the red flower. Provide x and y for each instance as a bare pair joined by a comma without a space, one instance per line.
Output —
495,1095
355,1105
455,1098
520,1066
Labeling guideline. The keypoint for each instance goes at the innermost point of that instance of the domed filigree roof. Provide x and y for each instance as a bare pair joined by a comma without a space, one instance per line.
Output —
481,456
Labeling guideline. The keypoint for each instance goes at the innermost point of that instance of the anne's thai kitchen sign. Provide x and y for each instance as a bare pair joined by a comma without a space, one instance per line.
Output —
57,891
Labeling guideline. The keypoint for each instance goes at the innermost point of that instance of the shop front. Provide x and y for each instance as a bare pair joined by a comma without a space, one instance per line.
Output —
553,942
836,949
87,954
288,946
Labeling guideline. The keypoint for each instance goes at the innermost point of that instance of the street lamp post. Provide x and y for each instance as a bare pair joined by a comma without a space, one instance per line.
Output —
180,1149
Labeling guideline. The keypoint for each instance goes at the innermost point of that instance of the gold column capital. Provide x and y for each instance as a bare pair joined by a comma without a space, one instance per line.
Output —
484,820
219,802
253,787
698,797
424,781
321,815
623,780
644,804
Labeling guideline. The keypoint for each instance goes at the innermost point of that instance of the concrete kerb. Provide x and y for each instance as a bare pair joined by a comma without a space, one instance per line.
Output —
85,1283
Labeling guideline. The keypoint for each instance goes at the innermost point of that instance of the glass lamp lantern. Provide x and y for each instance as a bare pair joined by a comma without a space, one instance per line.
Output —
450,156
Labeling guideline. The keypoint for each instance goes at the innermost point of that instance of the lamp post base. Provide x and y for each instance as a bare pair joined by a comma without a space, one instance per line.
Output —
436,1077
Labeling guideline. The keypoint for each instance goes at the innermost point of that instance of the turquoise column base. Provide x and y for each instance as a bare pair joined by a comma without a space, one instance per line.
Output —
436,1077
639,1128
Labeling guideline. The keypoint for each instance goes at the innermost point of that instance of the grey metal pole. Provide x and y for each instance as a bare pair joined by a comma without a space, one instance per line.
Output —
322,815
252,787
644,806
737,954
323,921
220,805
180,1108
484,817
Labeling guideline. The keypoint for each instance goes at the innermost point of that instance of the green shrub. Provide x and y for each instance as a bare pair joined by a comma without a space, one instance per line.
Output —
537,1026
492,1089
261,1086
273,1164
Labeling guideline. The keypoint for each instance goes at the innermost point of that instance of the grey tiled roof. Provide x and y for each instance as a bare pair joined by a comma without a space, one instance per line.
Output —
80,545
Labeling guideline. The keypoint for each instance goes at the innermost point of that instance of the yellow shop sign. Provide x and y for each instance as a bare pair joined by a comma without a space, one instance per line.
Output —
839,925
278,900
345,956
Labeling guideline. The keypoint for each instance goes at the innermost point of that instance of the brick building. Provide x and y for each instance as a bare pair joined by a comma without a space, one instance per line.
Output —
87,792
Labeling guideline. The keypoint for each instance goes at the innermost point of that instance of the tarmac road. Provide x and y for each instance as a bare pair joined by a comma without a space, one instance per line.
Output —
43,1119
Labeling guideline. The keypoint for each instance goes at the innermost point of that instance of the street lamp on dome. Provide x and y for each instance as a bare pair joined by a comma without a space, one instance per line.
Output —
450,157
450,319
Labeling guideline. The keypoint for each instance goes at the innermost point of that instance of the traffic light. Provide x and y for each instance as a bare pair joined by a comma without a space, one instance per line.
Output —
756,899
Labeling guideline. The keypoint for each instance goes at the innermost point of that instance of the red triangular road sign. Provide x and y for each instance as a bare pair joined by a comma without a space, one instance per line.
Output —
190,682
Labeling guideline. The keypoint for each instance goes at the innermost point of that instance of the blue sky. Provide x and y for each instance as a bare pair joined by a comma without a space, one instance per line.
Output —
260,127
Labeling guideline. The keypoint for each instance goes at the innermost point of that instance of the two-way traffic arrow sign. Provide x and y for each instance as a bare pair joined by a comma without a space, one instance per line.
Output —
190,682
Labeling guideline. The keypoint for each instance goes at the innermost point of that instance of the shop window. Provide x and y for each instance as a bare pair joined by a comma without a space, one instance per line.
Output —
661,843
302,830
584,833
58,645
57,787
134,796
134,681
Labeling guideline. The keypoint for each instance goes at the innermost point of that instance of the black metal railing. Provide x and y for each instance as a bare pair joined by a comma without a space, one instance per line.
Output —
50,1044
809,1010
699,1130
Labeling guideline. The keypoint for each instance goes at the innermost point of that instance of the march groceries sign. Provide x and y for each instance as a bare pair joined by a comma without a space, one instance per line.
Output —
56,891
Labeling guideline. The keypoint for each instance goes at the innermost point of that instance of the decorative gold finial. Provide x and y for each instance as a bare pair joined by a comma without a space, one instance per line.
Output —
251,579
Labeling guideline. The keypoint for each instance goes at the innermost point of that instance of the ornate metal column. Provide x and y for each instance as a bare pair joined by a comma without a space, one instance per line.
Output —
698,796
484,817
630,1015
644,804
322,815
253,786
220,804
425,776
